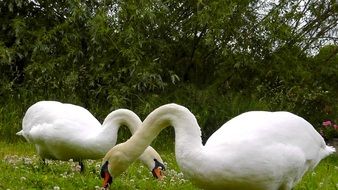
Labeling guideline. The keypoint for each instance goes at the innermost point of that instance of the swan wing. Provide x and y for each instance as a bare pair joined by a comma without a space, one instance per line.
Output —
48,111
64,139
259,129
275,147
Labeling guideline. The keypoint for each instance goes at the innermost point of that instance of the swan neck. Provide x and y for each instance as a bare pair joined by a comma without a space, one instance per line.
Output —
187,130
117,118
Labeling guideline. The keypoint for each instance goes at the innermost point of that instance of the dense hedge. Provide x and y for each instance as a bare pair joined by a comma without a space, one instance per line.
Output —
218,58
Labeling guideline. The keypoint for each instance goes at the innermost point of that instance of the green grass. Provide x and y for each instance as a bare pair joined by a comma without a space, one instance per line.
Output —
21,168
324,177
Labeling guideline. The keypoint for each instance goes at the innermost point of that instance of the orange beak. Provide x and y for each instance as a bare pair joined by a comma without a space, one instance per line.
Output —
107,180
157,172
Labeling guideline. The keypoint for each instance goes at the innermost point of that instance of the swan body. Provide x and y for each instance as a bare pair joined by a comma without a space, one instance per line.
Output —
255,150
66,131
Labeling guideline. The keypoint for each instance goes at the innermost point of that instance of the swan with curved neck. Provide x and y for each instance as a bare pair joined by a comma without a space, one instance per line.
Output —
66,131
255,150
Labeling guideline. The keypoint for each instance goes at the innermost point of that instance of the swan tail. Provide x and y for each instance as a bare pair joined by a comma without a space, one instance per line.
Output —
329,150
323,153
20,133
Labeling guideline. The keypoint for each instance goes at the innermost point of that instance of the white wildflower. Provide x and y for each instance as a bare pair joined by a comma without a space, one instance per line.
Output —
76,168
27,161
97,166
180,175
99,188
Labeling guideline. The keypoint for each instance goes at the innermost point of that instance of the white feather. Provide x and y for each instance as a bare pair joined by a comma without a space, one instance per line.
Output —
66,131
255,150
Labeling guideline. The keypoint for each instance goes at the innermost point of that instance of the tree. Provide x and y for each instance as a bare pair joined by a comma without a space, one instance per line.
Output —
109,54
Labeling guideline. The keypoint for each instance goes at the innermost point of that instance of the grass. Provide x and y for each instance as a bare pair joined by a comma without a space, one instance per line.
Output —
21,168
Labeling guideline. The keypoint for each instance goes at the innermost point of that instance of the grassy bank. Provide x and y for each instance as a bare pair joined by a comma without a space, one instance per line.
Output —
21,168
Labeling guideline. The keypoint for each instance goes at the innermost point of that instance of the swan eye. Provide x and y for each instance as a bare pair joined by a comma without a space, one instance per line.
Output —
104,168
159,165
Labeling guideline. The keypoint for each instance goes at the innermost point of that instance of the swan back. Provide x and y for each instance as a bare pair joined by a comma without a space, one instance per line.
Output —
46,113
262,128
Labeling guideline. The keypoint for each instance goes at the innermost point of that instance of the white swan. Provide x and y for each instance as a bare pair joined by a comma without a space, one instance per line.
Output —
255,150
65,131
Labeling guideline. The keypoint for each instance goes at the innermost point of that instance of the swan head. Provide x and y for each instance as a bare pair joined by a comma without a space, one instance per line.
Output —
114,163
107,172
157,170
107,178
117,161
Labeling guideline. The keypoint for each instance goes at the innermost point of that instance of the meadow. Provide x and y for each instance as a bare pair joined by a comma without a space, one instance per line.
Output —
21,168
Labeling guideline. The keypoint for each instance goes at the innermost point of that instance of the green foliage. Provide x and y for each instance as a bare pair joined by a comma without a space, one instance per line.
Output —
9,122
218,58
329,130
322,177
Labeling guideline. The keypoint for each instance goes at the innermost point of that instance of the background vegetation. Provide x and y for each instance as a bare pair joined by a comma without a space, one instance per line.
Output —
217,57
